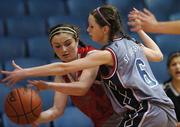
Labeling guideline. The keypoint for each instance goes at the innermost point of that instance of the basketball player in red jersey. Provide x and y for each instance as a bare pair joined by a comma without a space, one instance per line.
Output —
65,42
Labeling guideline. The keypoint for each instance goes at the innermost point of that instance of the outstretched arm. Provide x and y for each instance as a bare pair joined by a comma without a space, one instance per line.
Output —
149,23
92,60
78,88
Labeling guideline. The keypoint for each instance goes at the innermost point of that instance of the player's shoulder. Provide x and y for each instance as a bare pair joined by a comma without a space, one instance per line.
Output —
85,49
166,86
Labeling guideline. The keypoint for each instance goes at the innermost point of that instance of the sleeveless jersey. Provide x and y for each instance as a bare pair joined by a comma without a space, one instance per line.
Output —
95,103
130,83
175,97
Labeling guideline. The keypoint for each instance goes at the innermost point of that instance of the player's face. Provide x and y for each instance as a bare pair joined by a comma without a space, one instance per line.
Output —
96,32
174,68
65,46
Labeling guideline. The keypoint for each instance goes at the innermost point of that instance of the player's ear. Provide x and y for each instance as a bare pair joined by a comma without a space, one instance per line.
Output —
106,29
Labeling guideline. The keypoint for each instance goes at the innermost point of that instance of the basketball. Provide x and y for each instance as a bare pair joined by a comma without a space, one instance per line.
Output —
23,105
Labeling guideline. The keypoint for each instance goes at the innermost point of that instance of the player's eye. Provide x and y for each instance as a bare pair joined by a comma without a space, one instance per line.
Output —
57,46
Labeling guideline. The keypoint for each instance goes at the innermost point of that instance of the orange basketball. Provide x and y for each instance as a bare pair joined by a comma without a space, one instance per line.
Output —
23,105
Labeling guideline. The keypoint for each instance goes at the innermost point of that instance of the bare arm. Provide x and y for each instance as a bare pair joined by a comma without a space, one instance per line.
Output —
93,60
149,23
57,110
151,50
166,27
78,88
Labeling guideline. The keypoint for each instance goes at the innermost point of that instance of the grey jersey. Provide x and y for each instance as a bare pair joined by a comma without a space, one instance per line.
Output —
130,81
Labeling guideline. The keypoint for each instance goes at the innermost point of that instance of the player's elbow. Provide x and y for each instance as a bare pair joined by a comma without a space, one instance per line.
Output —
159,57
156,57
57,113
82,91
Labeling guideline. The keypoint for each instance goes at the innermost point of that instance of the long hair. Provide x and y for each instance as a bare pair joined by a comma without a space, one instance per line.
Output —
110,16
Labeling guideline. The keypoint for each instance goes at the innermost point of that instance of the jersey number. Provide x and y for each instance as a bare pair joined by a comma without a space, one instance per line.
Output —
144,75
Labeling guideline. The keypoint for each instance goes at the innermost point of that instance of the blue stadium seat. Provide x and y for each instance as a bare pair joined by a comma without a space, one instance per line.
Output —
11,8
40,47
168,43
47,98
70,102
46,8
4,90
87,40
136,36
24,63
26,27
175,16
73,117
8,123
1,28
54,20
1,68
176,6
82,8
11,48
160,8
124,7
160,70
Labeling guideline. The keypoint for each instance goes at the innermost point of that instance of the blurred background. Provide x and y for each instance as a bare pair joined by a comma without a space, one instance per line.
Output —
24,28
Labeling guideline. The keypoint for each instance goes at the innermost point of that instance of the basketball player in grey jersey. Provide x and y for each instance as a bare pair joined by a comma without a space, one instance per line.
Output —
134,92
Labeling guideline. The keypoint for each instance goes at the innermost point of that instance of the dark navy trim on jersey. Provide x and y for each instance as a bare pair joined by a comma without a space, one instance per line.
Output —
135,118
114,68
124,96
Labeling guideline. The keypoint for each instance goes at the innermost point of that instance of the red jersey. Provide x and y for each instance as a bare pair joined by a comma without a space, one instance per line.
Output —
95,103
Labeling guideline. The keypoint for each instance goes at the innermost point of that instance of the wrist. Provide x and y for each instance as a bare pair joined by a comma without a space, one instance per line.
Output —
49,86
153,27
26,73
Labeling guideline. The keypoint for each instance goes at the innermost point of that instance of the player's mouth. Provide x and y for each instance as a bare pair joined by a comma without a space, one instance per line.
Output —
66,55
178,73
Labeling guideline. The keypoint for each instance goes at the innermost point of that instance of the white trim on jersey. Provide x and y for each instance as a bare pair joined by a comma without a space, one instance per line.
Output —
145,114
114,68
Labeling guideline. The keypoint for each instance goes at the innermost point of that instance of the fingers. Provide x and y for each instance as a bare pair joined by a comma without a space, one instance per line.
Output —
31,82
5,79
132,16
30,85
10,83
5,72
15,65
134,28
146,11
143,15
136,10
34,83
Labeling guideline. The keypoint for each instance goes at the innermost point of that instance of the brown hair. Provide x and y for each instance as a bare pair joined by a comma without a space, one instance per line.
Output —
172,56
66,28
109,15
